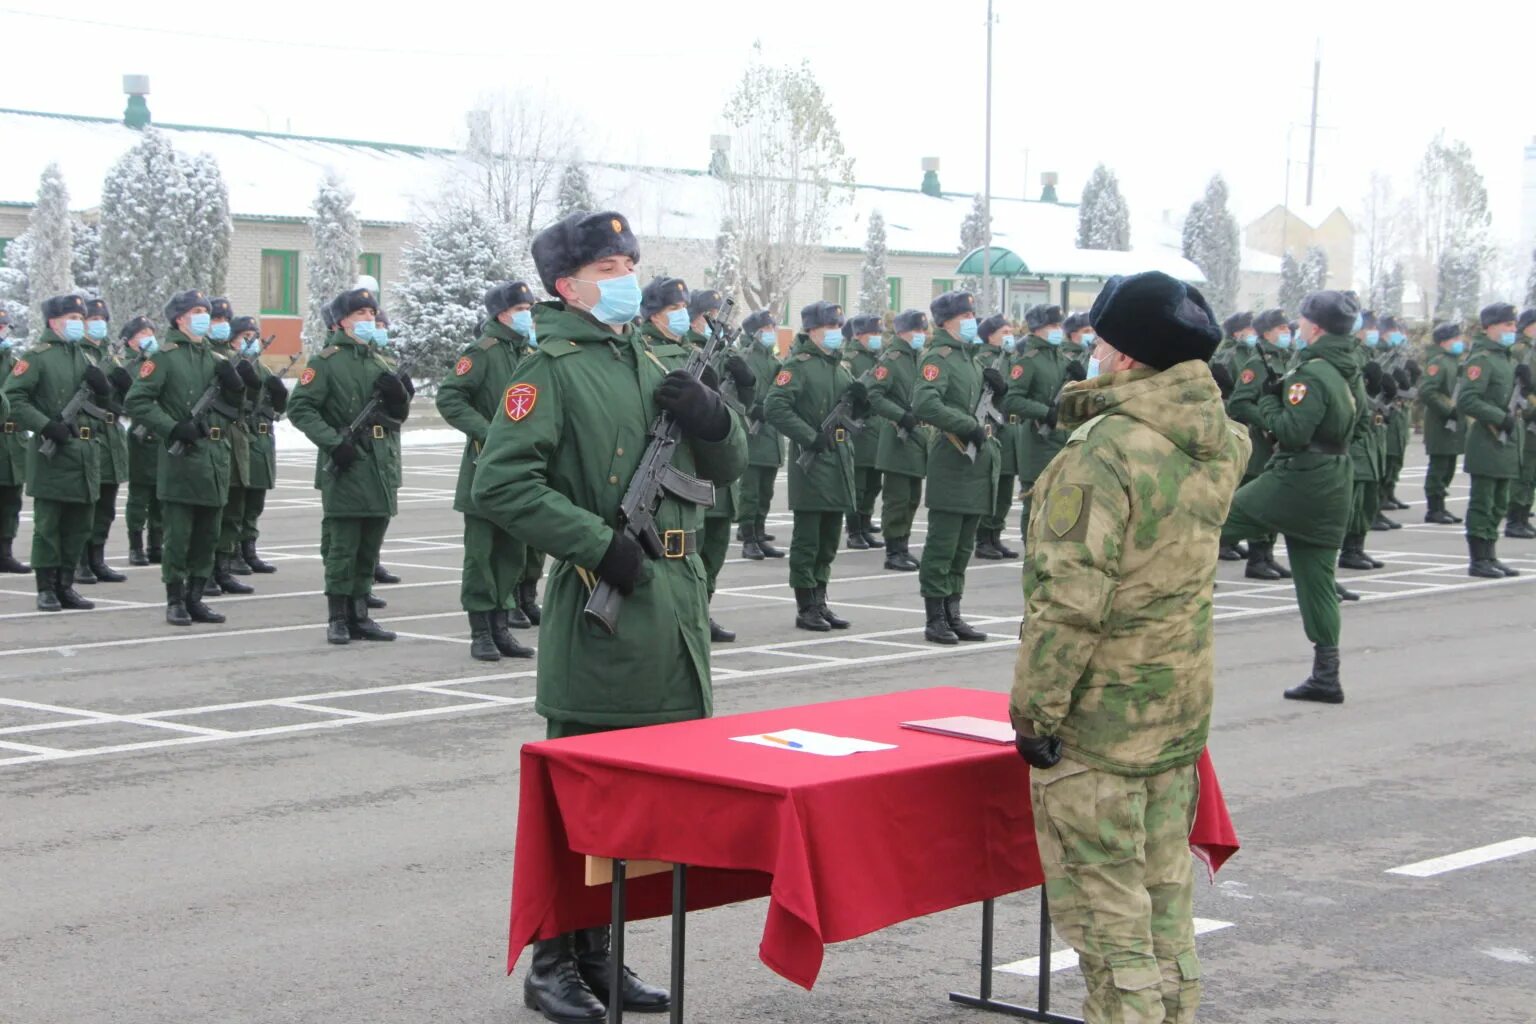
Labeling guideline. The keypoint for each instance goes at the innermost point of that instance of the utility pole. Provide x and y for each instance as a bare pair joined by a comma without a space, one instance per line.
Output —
986,199
1317,70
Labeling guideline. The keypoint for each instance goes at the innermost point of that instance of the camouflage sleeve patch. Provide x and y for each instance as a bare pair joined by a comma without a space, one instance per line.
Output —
1066,510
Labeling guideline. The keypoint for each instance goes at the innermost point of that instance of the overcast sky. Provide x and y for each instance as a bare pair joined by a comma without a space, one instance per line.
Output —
1165,94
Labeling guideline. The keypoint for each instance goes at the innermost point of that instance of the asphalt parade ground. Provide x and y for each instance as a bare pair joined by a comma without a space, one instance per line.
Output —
239,823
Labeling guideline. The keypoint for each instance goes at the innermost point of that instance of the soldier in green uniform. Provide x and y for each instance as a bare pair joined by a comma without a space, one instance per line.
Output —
357,474
1002,355
221,341
1081,339
1236,330
469,400
963,461
593,382
1381,389
1365,451
1306,490
1031,399
1258,350
1523,491
1112,689
860,353
64,485
139,344
13,460
1444,438
111,446
821,496
1491,408
1395,359
765,446
903,452
268,406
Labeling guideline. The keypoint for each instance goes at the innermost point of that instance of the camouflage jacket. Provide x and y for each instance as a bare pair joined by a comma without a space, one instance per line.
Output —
1115,656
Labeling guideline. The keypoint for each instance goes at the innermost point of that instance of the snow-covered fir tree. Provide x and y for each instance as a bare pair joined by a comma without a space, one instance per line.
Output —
725,276
86,262
973,235
1103,218
458,254
13,283
146,219
874,283
1292,288
1386,296
333,263
575,190
1314,269
1211,243
50,262
1457,284
1530,282
211,228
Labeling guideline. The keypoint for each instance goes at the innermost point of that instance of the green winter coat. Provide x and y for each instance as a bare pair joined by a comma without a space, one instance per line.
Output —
1366,442
1306,491
673,355
1443,432
1008,436
766,447
1248,374
554,476
866,445
13,436
801,397
728,498
1400,425
890,396
41,384
1030,397
470,398
331,392
240,436
143,444
261,427
111,439
948,387
1484,399
168,386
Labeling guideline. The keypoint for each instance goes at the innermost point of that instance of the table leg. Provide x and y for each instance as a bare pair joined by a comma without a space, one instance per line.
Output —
1042,1010
616,965
679,937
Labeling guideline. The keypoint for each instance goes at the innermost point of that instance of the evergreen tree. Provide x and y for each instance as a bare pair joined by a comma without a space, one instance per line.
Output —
146,219
874,286
333,263
575,190
14,290
1392,290
1314,269
86,261
1103,218
1293,287
459,253
210,228
725,276
1458,282
50,261
973,235
1453,217
1211,243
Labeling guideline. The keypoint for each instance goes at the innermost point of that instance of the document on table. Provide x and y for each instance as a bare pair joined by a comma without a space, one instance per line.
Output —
967,727
805,742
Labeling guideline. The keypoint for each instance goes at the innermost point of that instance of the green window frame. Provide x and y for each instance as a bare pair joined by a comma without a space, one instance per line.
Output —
942,285
371,264
279,282
893,289
834,288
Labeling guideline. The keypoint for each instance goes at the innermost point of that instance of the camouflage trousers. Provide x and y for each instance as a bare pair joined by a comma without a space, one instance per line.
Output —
1120,880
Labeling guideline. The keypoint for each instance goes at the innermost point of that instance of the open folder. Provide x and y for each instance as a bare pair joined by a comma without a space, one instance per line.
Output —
967,727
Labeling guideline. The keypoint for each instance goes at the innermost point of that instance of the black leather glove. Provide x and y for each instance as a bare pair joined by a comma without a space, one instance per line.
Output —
391,389
1223,378
277,394
1401,379
1076,371
57,432
740,372
344,455
121,380
1523,376
1389,388
857,392
978,437
622,563
696,407
1273,383
710,379
1414,372
187,431
248,375
908,421
1372,375
1050,417
1039,751
228,376
1508,426
97,381
409,385
755,415
994,381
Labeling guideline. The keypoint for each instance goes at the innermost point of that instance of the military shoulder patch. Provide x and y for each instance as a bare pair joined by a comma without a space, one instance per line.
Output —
1032,353
20,368
146,368
803,356
463,366
1297,393
783,378
555,348
1474,372
1433,369
1066,509
519,401
882,372
931,371
487,343
1246,376
1016,373
308,375
329,351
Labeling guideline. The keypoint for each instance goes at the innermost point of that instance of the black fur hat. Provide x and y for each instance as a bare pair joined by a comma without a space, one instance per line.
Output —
133,327
758,322
704,303
911,320
1498,313
990,326
579,239
1387,323
506,295
1527,317
1367,320
1269,320
350,302
97,307
1237,322
1075,323
220,309
1155,319
240,324
1446,332
1333,311
661,293
1036,317
866,324
63,305
821,314
952,304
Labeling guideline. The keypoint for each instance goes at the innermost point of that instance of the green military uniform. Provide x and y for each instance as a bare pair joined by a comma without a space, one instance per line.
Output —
715,542
765,446
995,520
13,469
1248,369
1117,661
261,476
240,435
1444,435
1492,457
1522,493
1399,426
112,449
1042,370
144,448
903,461
861,359
542,474
960,491
1366,453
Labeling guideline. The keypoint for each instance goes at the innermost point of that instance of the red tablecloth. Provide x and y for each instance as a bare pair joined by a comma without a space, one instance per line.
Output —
844,845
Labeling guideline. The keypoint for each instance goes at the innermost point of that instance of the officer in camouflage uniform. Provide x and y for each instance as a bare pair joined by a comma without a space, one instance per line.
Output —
765,447
268,406
1523,492
1258,351
1492,411
140,344
65,485
111,446
1396,360
1031,399
358,474
1002,355
960,489
1444,435
1306,490
803,395
1114,680
13,459
860,353
903,459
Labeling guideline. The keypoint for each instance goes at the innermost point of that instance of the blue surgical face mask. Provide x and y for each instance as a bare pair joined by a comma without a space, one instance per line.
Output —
833,340
618,299
678,322
250,348
96,330
197,325
1359,323
768,338
1283,339
970,331
363,330
873,342
5,343
1396,338
1507,339
707,331
919,339
1248,339
1089,340
380,336
1093,367
219,332
522,322
74,330
1372,339
148,346
1458,347
1055,337
1009,344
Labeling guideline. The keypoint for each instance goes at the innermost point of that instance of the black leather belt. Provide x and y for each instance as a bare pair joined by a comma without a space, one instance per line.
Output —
1327,448
679,543
1013,420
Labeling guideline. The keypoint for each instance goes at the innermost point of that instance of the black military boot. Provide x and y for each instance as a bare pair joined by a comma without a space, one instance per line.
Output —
1491,547
517,620
195,607
1480,562
997,542
82,575
1229,553
872,530
238,566
502,637
252,559
1436,512
762,532
1269,558
1353,556
360,626
896,557
1322,685
768,550
807,616
957,625
336,631
1382,523
528,601
96,554
984,547
1258,562
594,958
136,555
481,646
718,634
47,600
856,539
211,588
826,613
154,550
176,604
741,531
1343,594
374,602
937,630
749,546
8,561
69,600
383,575
1519,527
554,986
226,580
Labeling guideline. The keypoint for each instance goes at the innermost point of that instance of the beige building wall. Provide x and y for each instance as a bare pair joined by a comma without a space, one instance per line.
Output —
1280,230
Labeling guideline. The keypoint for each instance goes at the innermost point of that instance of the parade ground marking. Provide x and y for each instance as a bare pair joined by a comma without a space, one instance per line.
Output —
1467,858
1061,960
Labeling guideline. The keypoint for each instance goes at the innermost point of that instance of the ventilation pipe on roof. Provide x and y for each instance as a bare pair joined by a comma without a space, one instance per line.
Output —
137,113
720,156
1048,187
931,176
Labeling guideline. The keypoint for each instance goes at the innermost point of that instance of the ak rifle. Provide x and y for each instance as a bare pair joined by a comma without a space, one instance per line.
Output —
264,410
840,424
371,421
83,402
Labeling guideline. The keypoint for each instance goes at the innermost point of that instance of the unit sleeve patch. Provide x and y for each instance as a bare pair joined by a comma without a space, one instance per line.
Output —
931,371
308,375
882,372
519,401
1246,376
1474,372
1433,370
783,378
463,366
20,368
1016,373
146,368
1297,392
1065,511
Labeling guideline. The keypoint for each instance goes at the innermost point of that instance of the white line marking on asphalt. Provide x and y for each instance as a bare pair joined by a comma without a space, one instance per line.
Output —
1467,858
298,705
1510,956
430,636
1062,960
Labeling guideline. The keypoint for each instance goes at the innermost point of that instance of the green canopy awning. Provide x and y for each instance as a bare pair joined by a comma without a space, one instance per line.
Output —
1004,263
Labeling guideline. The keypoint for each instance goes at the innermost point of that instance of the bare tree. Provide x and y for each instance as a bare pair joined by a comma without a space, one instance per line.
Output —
1386,227
1453,218
519,145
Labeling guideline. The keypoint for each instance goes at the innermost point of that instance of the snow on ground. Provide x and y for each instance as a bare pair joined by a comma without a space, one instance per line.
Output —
290,440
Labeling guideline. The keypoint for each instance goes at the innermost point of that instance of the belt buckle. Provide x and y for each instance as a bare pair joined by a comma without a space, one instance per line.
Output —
988,428
261,428
1013,420
111,419
85,433
839,435
674,544
215,433
10,427
378,432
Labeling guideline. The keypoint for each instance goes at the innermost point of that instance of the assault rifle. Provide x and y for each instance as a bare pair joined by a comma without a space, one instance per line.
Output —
1073,370
986,411
264,411
370,418
83,401
840,424
655,478
1519,395
209,399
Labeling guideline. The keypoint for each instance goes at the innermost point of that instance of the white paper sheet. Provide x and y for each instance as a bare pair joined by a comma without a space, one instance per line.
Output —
801,741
